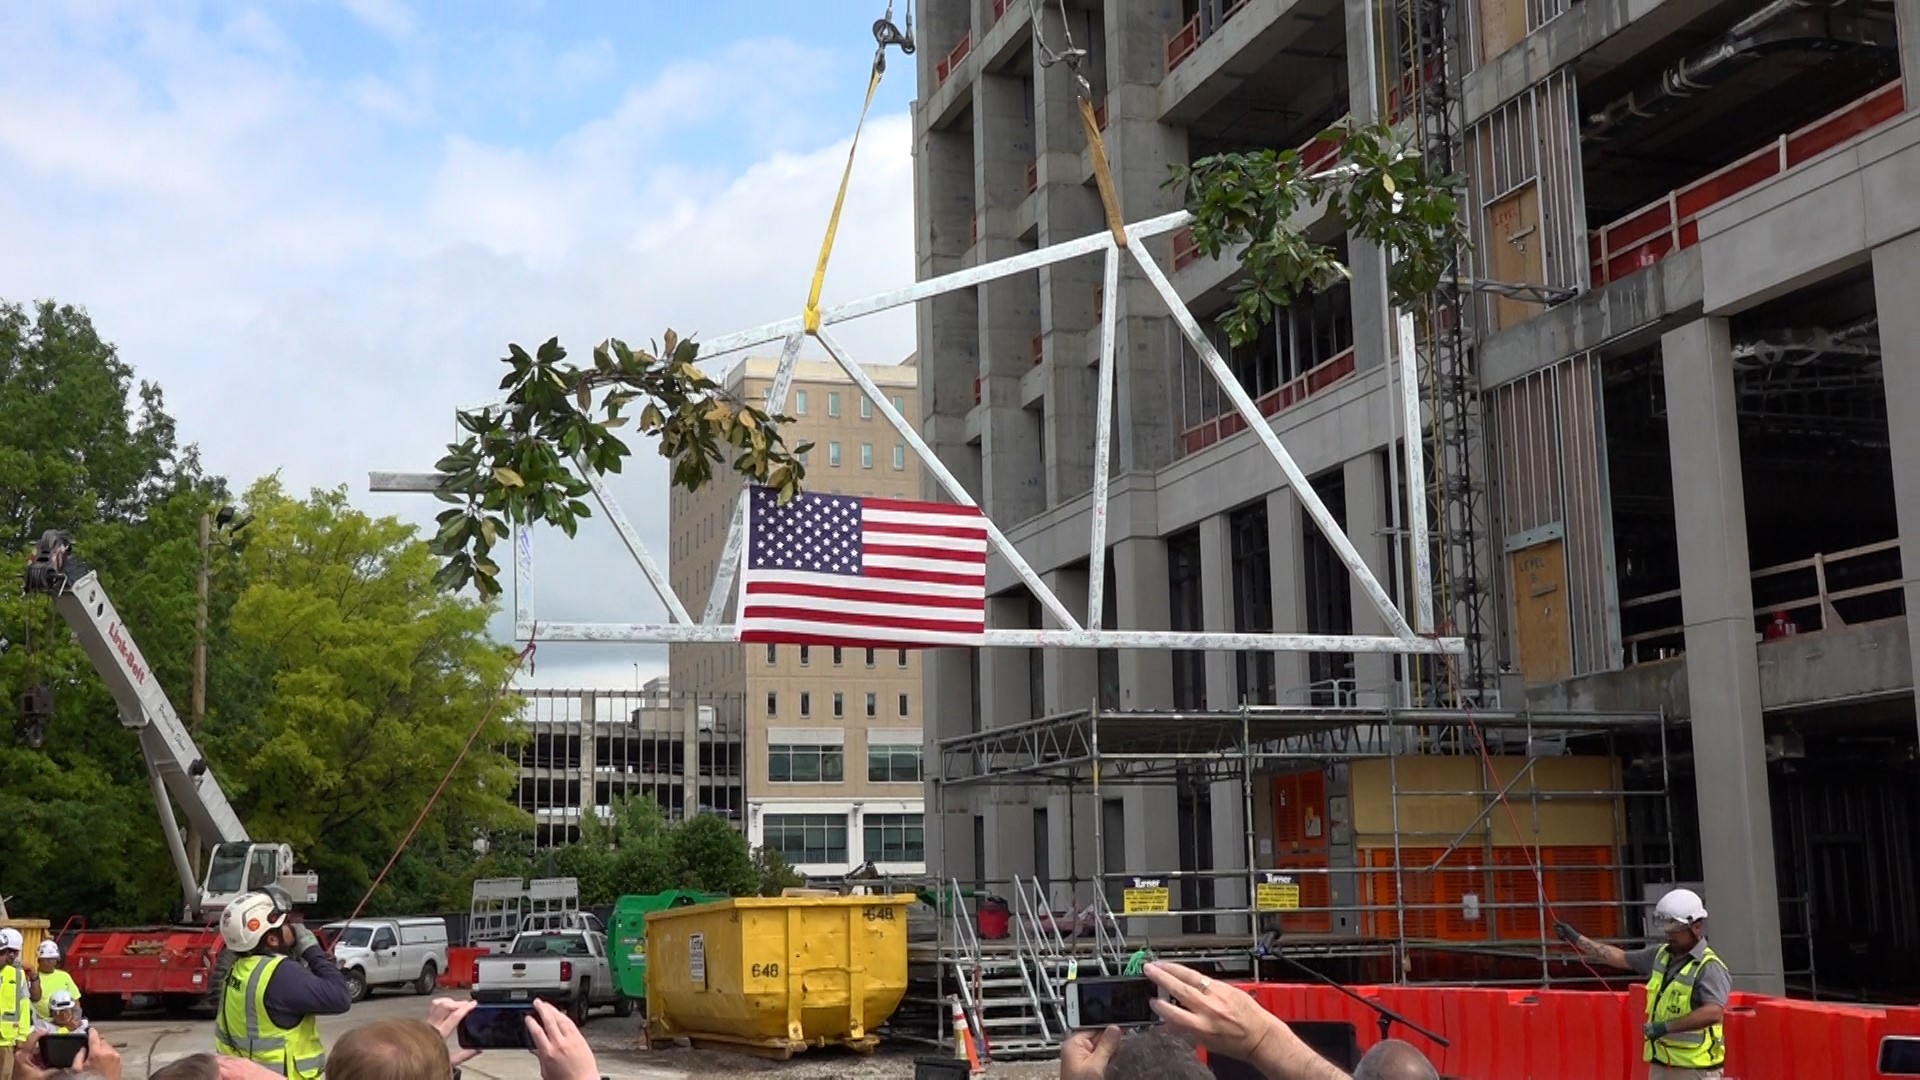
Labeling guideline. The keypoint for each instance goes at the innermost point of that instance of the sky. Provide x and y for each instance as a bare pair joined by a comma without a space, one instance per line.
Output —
317,224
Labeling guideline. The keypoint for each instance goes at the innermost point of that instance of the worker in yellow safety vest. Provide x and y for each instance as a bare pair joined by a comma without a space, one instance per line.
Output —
52,980
15,1024
281,982
1688,986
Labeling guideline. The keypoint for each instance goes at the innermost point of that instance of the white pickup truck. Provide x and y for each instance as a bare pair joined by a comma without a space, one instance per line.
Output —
567,968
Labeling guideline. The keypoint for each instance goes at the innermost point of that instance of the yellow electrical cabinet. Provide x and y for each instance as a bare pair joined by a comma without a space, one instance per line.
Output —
777,975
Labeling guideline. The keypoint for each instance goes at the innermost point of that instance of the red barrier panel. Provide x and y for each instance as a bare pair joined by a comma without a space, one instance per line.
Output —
461,966
1595,1035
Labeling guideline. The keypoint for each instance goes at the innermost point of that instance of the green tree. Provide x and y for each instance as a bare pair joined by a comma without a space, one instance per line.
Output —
351,684
86,450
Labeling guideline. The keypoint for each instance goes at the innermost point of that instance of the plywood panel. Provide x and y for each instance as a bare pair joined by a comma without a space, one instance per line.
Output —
1561,821
1502,24
1542,622
1514,247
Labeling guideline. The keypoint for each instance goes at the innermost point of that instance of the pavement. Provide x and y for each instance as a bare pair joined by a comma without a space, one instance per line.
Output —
148,1044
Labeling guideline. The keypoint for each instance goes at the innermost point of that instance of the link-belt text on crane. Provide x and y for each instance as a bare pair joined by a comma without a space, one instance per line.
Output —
115,634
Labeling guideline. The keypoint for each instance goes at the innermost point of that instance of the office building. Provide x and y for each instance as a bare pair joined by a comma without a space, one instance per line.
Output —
833,767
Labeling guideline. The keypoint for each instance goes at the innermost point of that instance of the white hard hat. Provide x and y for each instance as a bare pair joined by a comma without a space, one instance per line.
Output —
58,1000
10,939
49,949
247,920
1680,906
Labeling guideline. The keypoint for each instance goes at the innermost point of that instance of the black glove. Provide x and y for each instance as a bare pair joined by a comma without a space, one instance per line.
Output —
1655,1030
1567,933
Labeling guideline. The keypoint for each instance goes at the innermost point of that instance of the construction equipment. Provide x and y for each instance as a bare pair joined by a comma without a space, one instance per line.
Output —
173,962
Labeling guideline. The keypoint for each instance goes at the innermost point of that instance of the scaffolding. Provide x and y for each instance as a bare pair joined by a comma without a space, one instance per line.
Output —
1419,876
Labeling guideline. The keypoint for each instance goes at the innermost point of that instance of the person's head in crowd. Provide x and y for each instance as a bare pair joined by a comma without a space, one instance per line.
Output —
1395,1060
391,1050
1154,1054
191,1067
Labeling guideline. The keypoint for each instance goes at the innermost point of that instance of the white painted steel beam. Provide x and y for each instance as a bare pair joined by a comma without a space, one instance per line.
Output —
1103,443
1302,488
1037,639
406,483
730,554
955,489
1421,570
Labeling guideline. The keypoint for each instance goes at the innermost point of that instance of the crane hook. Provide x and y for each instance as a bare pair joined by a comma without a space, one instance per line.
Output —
885,33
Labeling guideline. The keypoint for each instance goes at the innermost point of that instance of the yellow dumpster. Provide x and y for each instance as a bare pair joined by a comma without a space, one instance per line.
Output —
32,932
775,976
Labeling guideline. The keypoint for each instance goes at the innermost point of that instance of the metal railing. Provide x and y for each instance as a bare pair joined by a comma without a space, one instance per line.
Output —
1802,589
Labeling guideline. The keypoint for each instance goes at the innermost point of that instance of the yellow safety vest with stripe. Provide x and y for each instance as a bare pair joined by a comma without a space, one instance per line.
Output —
1670,997
51,982
11,1022
243,1029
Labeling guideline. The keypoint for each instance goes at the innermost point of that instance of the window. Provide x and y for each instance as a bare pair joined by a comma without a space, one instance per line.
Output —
806,839
773,703
1185,613
893,763
836,655
900,406
895,838
833,403
839,703
1252,582
899,456
806,655
789,764
903,704
903,658
833,454
866,407
799,403
873,704
806,456
771,654
383,939
866,455
806,703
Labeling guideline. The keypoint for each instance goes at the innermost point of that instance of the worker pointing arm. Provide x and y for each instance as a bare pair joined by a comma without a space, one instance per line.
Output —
1688,987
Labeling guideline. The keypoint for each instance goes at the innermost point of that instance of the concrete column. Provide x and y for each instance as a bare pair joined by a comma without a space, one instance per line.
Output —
948,694
1723,675
1071,678
1907,19
1896,267
1140,574
1216,608
1366,483
690,752
1366,262
1289,570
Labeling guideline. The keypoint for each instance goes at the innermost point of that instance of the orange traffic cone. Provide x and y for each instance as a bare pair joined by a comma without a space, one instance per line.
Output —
963,1039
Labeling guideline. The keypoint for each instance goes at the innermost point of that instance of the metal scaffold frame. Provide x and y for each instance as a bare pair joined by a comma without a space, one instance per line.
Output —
1091,753
1403,637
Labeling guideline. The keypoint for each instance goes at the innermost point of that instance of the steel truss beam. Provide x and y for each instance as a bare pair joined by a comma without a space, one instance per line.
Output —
713,627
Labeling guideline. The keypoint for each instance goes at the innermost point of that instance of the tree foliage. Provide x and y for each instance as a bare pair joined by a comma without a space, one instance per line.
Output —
639,851
341,681
1382,190
523,461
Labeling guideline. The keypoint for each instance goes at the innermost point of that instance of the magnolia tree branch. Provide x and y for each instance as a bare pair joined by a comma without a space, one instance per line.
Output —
515,464
1380,189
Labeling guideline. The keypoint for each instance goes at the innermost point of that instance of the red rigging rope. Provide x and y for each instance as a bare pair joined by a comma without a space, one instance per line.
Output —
506,684
1513,820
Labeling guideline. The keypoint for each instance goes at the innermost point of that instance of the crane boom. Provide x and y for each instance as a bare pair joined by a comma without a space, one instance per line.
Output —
176,770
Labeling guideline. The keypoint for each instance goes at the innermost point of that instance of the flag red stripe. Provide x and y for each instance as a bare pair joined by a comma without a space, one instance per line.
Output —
931,577
862,596
908,506
783,637
839,618
961,532
907,551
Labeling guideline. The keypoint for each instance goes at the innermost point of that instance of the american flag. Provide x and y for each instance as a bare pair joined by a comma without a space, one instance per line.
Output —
849,570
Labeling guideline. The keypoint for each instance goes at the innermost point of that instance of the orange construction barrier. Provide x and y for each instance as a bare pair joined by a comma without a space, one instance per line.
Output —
461,965
1595,1035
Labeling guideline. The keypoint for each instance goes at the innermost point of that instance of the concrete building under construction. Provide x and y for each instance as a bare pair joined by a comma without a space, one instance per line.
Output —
1671,498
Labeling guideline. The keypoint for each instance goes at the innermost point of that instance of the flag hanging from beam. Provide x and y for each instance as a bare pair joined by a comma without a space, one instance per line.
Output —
861,571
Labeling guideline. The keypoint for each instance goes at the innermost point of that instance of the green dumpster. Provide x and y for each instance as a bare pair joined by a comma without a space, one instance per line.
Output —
628,935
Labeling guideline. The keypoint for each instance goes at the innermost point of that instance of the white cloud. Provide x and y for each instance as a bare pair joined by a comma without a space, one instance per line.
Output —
389,17
317,294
